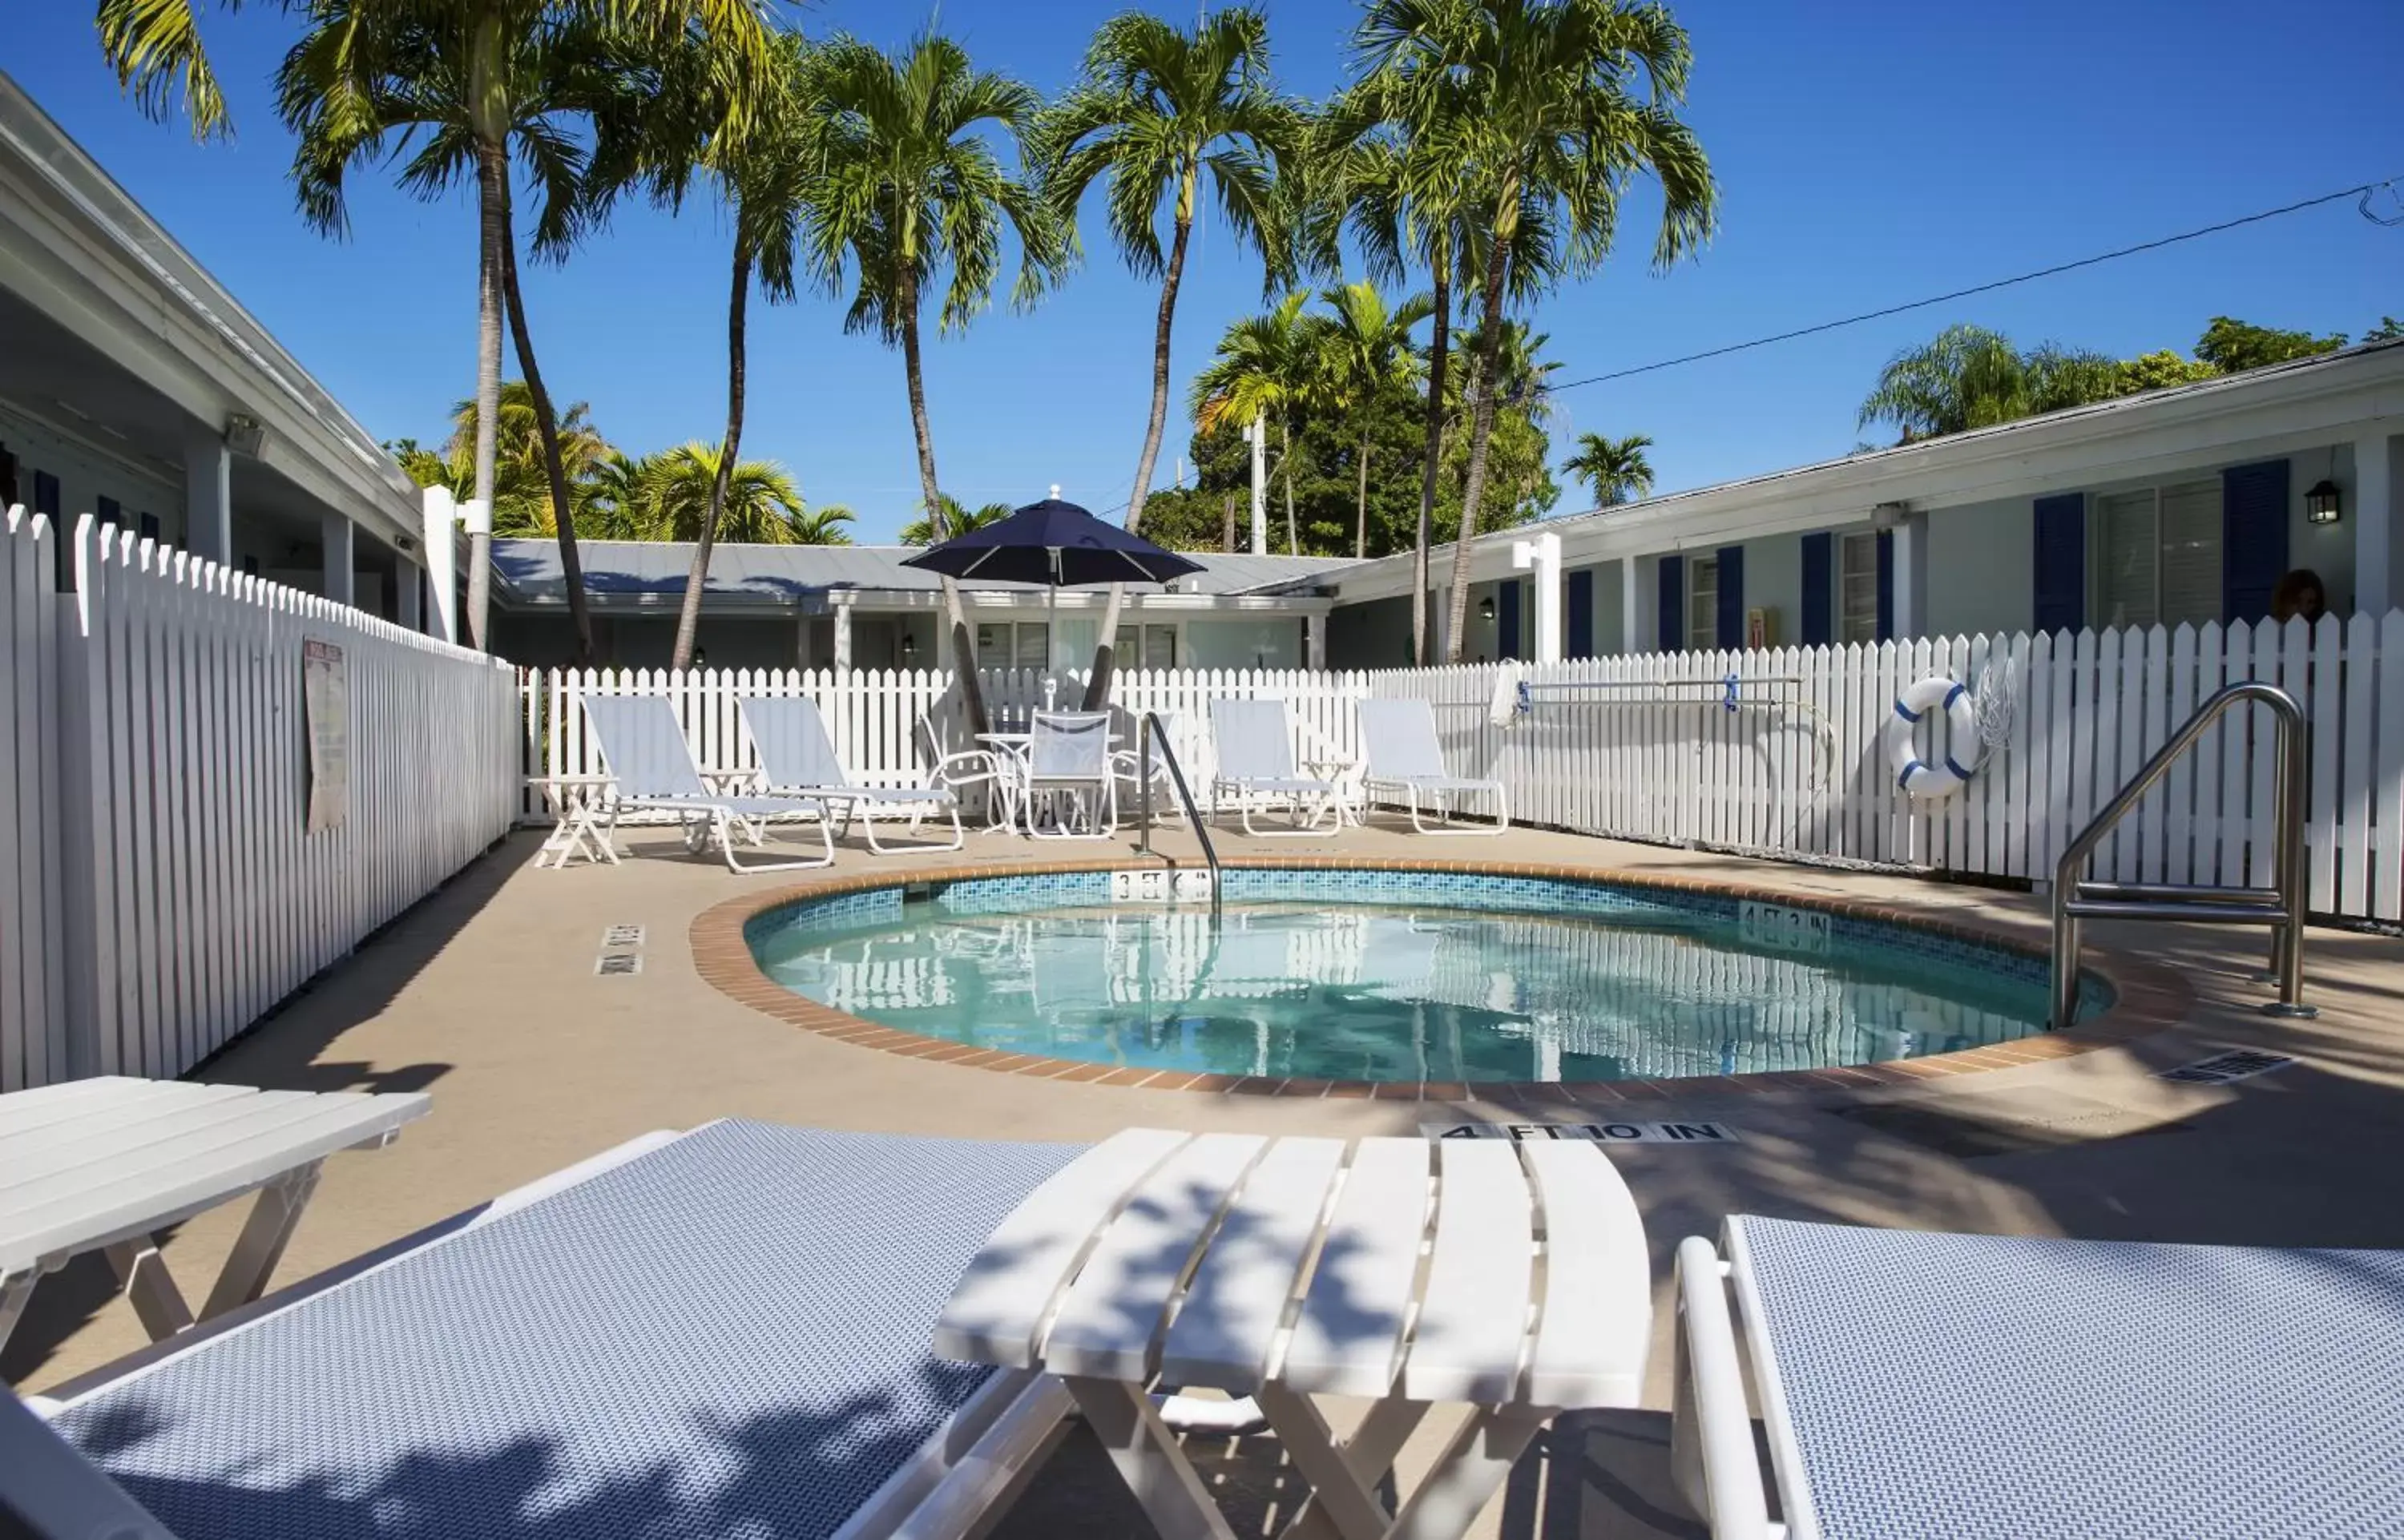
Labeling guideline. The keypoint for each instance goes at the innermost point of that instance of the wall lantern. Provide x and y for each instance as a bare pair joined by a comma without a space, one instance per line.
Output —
909,647
2323,504
1485,608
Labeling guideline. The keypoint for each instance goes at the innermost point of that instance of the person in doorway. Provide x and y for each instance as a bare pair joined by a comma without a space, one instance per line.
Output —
2299,595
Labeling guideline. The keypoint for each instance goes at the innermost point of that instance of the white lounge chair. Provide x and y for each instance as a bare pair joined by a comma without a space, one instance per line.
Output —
1403,756
1255,746
797,759
1069,758
652,770
721,1332
1922,1384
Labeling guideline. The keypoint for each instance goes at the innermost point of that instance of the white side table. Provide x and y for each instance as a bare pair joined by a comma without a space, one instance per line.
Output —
1219,1260
578,824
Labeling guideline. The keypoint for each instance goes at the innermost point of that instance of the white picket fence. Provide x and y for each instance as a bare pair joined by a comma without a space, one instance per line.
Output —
165,890
1643,748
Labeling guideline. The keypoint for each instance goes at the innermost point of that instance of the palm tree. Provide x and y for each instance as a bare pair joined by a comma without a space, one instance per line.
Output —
1159,112
750,133
1367,353
1617,469
903,190
521,496
469,89
757,502
1568,100
609,501
1970,377
958,517
1266,367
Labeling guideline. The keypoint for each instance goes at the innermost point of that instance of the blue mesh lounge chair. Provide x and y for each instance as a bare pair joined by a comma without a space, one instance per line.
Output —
1255,746
1399,736
652,770
722,1333
1940,1385
797,759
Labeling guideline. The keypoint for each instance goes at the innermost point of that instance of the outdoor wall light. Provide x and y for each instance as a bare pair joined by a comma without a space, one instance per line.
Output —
2324,504
909,647
1485,608
244,435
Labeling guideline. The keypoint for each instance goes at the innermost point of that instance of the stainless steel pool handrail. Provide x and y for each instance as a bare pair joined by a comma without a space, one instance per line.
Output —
2281,905
1149,729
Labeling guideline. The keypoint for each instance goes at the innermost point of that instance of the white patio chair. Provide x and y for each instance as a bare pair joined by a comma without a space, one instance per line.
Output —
1403,756
2105,1388
797,759
1069,761
651,769
511,1374
955,770
1127,763
1255,744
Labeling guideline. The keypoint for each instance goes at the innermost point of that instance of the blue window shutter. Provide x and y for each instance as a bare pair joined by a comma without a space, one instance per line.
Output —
1818,589
2253,538
1886,585
1731,596
1671,608
46,495
1581,617
2060,568
107,512
1506,618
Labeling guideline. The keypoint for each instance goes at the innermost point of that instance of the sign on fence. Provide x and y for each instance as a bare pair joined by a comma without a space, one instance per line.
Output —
326,700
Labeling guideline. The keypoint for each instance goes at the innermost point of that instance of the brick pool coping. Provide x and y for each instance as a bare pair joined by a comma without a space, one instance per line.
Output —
2147,996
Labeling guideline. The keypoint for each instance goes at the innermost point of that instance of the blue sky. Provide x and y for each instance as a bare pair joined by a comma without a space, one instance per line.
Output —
1868,153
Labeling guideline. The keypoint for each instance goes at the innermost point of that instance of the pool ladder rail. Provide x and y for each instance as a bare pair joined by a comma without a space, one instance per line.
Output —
1151,732
2280,905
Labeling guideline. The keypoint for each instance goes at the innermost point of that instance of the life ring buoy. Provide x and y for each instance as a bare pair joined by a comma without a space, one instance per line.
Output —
1915,776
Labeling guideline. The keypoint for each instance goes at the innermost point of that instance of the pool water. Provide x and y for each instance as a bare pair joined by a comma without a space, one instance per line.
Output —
1403,991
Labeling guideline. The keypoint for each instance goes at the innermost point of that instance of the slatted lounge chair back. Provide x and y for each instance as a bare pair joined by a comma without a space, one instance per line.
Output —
1253,740
1070,746
643,747
1400,739
791,737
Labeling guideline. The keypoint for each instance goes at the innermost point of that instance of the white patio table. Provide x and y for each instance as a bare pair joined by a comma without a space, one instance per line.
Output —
104,1164
578,824
1512,1277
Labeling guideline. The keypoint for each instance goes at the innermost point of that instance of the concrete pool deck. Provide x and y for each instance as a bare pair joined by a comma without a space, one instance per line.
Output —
486,995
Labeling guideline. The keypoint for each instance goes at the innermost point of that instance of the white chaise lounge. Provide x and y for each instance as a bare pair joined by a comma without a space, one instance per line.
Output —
1403,757
1253,744
797,759
716,1333
1938,1385
652,770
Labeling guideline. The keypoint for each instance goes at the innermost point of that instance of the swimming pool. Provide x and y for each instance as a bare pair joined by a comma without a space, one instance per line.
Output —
1400,977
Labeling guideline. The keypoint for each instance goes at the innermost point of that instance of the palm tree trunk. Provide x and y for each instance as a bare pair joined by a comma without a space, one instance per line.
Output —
1481,431
1439,346
563,510
697,579
1361,520
492,235
963,642
1285,461
1098,687
1228,526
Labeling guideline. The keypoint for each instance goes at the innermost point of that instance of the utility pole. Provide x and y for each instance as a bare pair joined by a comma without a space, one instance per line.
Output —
1258,436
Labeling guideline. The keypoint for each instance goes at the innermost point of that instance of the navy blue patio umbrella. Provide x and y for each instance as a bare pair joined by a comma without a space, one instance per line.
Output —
1059,545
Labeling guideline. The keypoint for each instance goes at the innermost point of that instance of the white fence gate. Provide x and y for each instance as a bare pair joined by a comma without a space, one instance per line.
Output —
165,888
1645,748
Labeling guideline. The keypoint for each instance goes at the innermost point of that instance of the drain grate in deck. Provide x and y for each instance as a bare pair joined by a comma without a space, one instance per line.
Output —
617,964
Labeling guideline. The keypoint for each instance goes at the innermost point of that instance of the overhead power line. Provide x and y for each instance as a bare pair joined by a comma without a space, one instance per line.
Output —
2362,190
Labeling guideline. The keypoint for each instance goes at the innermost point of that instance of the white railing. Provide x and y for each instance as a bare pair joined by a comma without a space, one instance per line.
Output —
1801,770
166,889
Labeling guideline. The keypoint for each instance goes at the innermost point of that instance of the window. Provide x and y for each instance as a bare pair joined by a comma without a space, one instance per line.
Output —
1026,645
1703,603
1857,588
2157,555
1145,647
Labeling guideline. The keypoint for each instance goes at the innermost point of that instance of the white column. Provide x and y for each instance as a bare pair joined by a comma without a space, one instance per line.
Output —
842,635
1639,629
801,640
1542,559
208,495
1911,576
337,543
2378,503
1314,638
1258,436
406,587
441,538
1440,626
